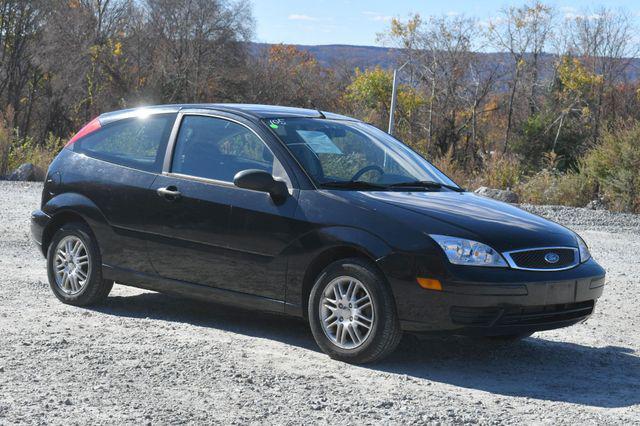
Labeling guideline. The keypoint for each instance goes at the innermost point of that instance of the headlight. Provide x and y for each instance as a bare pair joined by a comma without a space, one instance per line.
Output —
583,249
467,252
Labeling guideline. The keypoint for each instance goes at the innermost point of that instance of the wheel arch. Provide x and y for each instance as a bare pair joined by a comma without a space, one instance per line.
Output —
58,221
70,207
324,259
333,244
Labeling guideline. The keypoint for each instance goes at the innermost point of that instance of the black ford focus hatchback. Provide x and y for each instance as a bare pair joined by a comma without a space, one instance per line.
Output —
304,213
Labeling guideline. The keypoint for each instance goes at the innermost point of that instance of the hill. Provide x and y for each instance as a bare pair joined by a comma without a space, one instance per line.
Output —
349,56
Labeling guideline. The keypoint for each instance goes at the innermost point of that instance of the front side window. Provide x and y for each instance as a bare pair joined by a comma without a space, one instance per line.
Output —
215,148
343,152
134,142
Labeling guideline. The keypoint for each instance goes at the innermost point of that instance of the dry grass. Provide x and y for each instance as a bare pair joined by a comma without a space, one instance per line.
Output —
15,150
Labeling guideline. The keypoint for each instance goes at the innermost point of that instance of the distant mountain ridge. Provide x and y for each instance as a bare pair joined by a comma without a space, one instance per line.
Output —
332,55
363,57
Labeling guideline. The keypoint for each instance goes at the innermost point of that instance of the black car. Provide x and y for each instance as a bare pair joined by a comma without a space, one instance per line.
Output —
305,213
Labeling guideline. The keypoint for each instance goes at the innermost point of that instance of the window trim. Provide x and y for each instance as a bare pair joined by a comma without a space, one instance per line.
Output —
199,179
133,165
173,140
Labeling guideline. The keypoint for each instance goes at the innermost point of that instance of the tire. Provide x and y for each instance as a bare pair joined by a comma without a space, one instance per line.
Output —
376,342
79,292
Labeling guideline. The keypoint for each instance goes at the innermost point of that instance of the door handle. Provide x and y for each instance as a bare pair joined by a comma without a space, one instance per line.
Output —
170,193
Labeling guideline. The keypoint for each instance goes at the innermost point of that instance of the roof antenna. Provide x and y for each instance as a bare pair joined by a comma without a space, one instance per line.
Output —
317,109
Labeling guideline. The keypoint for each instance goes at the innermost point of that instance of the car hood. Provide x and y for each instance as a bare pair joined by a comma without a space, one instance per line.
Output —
501,225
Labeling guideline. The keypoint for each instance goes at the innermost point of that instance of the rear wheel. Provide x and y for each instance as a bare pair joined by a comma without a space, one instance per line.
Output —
352,313
74,266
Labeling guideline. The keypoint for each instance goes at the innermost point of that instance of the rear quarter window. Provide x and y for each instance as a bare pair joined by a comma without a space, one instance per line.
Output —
134,142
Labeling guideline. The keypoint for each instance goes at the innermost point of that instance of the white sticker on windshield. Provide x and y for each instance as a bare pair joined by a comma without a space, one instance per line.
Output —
319,142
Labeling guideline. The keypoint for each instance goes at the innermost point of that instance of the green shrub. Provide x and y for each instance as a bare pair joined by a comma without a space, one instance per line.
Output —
448,165
537,137
15,150
532,140
549,187
500,172
26,150
614,163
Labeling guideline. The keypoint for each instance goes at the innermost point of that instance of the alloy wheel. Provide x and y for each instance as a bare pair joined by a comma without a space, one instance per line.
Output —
346,312
72,266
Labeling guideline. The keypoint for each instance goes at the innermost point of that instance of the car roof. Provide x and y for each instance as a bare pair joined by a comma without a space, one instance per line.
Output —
253,110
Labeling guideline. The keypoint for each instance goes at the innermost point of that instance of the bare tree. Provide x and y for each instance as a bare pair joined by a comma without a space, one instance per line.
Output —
78,47
19,32
198,47
444,63
604,41
521,32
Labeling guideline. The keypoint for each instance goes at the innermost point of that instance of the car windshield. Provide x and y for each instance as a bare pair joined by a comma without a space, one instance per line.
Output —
352,154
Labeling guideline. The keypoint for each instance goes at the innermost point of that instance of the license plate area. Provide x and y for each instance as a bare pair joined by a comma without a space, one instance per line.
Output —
560,292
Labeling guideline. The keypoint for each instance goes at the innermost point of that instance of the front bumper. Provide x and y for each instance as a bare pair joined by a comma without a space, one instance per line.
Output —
492,301
39,222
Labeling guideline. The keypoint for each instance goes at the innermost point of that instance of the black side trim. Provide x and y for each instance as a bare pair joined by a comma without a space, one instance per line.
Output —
190,290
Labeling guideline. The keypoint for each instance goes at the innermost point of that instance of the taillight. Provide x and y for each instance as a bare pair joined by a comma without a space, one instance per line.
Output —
90,127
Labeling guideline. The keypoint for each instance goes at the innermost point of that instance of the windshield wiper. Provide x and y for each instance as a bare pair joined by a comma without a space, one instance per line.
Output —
424,184
352,184
362,185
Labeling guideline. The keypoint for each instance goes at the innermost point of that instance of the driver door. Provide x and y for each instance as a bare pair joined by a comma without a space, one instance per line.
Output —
214,233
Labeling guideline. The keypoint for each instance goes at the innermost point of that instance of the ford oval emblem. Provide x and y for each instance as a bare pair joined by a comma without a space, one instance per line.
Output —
551,257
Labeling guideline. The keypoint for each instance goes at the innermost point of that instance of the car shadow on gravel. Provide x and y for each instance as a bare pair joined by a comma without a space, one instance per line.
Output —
173,309
533,368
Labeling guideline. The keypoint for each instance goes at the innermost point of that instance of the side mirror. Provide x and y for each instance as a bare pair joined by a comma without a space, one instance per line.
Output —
259,180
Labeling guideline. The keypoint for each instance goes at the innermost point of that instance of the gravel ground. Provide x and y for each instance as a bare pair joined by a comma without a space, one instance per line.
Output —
144,357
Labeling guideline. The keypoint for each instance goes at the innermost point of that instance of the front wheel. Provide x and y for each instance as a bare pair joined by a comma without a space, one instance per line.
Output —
74,266
352,313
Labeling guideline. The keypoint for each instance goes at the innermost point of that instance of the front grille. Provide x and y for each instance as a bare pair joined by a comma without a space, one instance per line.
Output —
521,315
535,315
542,259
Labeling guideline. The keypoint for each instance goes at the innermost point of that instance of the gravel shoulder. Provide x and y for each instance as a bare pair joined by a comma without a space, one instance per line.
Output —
144,357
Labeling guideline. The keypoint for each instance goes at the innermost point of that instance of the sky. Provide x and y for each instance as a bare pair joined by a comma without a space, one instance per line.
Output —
358,22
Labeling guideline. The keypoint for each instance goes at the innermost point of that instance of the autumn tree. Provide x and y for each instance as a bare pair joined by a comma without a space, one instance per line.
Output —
370,94
575,90
285,75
